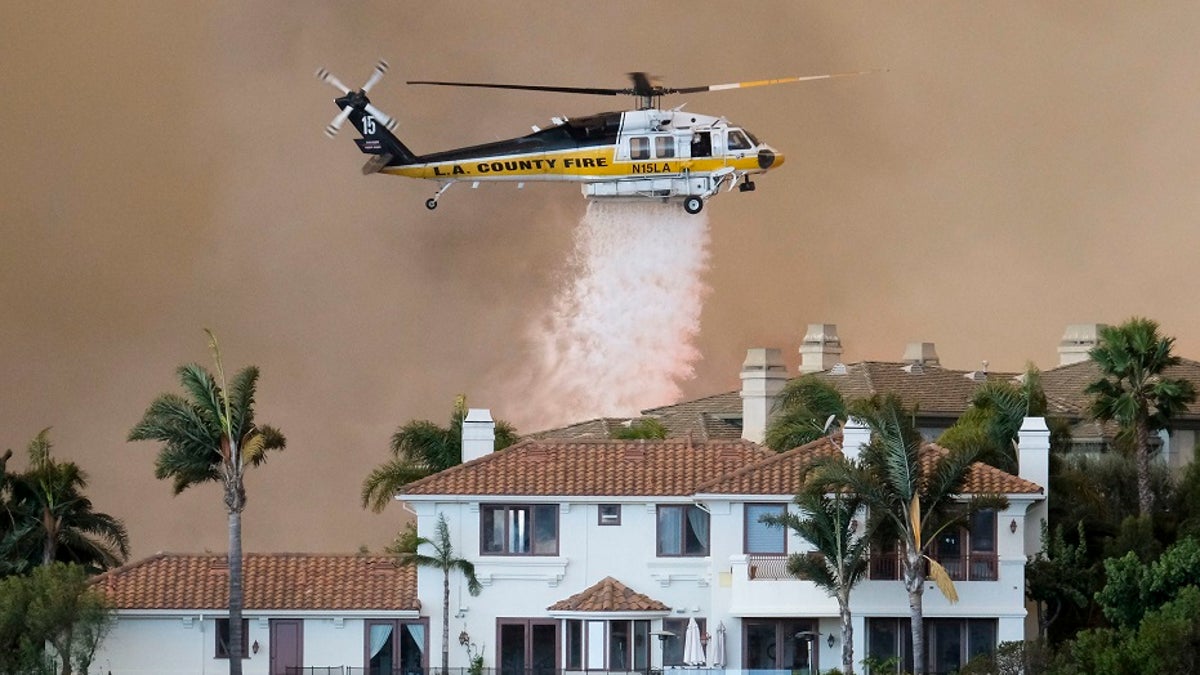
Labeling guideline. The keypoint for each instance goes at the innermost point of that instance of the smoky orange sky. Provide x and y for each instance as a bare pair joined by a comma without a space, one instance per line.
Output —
1019,167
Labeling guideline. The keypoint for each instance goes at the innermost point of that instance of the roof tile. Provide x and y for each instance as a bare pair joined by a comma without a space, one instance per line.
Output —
609,595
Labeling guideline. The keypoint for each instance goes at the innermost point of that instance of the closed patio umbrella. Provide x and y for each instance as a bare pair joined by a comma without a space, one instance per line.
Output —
718,647
693,651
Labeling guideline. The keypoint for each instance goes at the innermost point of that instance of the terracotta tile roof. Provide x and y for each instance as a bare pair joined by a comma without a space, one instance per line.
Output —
782,474
597,429
272,581
609,595
592,468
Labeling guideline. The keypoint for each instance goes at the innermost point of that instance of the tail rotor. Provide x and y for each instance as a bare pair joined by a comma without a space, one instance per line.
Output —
352,100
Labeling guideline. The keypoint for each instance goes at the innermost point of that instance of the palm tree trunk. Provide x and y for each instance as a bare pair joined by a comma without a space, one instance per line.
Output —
50,543
235,592
914,583
446,621
1145,495
847,632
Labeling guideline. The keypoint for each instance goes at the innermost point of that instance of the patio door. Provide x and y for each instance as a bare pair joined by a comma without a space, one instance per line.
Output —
781,644
527,646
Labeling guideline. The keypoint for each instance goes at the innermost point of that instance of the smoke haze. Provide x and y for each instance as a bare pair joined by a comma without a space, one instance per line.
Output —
1020,166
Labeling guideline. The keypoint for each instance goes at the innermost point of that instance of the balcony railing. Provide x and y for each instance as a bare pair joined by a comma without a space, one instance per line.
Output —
974,566
356,670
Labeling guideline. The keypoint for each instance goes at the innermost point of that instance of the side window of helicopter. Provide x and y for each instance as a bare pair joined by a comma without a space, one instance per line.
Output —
664,146
701,144
639,147
738,141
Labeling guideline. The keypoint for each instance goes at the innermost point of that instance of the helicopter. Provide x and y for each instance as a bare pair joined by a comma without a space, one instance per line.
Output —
646,153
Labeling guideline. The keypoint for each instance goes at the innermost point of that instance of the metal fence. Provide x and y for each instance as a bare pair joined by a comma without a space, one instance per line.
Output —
971,567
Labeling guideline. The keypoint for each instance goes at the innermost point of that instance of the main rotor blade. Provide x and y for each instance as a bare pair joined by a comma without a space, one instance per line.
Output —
764,83
529,87
376,75
328,77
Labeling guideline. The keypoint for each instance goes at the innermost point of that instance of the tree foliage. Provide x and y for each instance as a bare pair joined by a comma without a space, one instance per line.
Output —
422,448
1134,588
646,428
802,412
992,423
1058,576
48,517
52,606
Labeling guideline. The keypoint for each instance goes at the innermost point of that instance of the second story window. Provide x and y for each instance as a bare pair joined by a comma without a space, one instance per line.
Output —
509,529
762,538
682,530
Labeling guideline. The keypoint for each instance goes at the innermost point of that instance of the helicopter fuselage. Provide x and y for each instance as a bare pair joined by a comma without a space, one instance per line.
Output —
664,154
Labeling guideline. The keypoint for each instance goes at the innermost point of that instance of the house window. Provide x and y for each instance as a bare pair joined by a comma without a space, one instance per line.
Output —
519,529
949,643
673,646
610,514
639,147
608,645
395,647
664,146
969,553
762,538
222,651
682,530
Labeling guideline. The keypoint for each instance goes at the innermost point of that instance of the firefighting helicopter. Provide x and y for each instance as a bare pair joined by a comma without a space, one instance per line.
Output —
647,153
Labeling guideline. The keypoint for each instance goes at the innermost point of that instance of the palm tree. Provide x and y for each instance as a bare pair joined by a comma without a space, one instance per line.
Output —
421,448
407,547
646,428
994,418
803,412
52,520
210,435
1133,392
913,498
839,557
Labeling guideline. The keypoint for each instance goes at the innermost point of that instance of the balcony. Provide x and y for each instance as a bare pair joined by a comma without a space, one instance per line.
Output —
976,566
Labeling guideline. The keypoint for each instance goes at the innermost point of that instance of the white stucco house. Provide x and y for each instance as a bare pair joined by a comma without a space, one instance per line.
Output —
319,613
595,554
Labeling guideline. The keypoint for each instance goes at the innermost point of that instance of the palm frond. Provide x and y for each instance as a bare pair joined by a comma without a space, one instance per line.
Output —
941,578
384,481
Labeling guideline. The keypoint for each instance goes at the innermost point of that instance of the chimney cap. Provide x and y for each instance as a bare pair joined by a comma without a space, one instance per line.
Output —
763,358
483,415
922,353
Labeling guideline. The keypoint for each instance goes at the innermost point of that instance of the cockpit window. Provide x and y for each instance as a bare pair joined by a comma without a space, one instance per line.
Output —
738,141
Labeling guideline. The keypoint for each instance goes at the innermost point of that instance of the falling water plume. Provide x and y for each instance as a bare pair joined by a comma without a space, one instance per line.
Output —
619,335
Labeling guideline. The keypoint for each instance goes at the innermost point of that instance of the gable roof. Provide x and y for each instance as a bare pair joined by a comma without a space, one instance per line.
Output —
608,595
592,468
782,474
287,581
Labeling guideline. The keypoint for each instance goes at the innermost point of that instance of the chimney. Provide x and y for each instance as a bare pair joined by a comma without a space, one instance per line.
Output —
821,348
763,377
478,434
855,435
1033,462
921,353
1077,341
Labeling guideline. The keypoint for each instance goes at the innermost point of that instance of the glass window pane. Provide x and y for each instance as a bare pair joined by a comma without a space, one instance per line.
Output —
639,147
618,645
641,645
574,643
947,649
491,523
595,645
670,530
983,531
518,529
412,647
664,146
545,523
981,637
379,646
761,537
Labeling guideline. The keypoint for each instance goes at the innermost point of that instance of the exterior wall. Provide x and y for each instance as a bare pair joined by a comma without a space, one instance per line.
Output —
717,588
165,644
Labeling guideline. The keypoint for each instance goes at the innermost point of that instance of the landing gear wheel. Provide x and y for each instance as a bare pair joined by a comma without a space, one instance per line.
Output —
431,203
693,205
